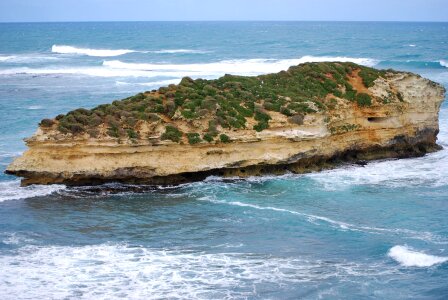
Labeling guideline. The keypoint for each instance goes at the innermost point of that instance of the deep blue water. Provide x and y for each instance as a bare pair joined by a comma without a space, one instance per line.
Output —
378,231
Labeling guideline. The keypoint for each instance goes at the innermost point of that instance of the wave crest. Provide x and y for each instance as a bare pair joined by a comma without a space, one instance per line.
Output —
64,49
247,67
238,66
411,258
11,190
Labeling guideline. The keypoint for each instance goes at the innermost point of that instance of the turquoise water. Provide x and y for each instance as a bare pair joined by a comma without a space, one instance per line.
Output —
378,231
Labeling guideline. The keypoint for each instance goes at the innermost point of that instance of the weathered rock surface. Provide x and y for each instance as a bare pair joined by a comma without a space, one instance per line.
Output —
387,128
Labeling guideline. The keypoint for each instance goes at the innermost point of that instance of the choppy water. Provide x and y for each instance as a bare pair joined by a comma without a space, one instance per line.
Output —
378,231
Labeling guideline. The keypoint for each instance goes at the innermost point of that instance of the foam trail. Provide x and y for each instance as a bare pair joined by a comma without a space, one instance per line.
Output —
64,49
424,236
11,190
411,258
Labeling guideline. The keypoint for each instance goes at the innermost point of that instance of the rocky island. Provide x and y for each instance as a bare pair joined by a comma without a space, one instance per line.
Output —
309,117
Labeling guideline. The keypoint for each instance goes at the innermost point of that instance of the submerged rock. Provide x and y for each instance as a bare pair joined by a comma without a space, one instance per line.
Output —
310,117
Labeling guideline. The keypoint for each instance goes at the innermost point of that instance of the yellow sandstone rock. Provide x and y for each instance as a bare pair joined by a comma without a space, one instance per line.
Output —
350,132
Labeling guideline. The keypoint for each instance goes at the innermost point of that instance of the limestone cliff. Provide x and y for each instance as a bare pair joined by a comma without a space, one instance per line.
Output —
236,126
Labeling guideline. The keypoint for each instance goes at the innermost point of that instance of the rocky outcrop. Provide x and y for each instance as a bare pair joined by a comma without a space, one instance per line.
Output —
400,121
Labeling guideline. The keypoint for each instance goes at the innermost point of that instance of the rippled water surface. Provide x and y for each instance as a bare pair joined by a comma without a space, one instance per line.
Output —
378,231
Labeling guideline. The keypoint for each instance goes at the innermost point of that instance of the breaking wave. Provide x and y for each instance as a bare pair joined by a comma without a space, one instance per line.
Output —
6,58
116,68
11,190
238,66
64,49
407,257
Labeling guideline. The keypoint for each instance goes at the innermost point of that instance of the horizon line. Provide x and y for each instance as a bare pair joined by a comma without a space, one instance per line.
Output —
198,21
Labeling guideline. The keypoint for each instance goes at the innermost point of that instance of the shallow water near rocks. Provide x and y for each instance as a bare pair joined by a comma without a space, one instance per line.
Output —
374,231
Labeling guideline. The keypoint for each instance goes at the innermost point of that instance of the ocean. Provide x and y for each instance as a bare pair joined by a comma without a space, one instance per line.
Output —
378,231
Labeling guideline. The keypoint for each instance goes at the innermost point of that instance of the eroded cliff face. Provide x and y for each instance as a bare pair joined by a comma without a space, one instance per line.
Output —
402,121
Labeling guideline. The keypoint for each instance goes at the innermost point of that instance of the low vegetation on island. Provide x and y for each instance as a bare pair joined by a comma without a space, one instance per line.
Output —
212,107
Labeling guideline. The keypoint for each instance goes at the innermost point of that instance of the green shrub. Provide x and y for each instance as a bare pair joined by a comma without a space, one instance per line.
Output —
364,99
171,133
132,134
261,116
350,95
193,138
224,138
285,111
188,114
207,137
368,76
47,123
272,106
187,81
228,101
95,120
262,125
113,131
131,121
93,132
153,117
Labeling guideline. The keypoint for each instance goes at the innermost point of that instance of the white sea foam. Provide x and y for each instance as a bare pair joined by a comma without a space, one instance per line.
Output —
85,71
444,63
408,257
34,107
240,66
151,83
10,154
64,49
15,238
110,271
6,58
116,68
176,51
27,58
11,190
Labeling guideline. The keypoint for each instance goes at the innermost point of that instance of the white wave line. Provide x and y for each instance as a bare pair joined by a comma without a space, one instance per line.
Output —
425,236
